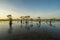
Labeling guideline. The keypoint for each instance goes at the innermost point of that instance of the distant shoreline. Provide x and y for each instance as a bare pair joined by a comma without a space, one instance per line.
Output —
29,20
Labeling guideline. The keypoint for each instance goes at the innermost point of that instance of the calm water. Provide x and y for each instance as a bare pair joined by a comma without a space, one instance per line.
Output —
30,31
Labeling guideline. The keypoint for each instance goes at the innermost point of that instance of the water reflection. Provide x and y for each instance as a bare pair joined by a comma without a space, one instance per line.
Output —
52,25
27,27
31,25
10,30
39,25
37,28
21,25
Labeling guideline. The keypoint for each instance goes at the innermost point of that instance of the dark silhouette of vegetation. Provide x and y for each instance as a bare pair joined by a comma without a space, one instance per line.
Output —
21,19
39,20
31,19
27,19
10,20
10,30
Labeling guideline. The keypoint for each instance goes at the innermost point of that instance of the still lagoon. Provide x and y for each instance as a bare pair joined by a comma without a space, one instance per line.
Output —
30,31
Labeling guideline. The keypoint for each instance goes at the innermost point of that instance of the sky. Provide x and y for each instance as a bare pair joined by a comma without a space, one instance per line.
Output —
33,8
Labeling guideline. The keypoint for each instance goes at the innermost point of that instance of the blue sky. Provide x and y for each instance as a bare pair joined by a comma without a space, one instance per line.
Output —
42,8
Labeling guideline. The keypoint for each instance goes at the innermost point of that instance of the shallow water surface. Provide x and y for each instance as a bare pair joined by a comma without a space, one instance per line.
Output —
32,30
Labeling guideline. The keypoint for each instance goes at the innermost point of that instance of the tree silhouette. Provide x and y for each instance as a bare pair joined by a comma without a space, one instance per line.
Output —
31,19
21,19
27,18
10,20
39,19
9,16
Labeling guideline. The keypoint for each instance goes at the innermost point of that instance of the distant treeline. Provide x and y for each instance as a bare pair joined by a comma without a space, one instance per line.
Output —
30,19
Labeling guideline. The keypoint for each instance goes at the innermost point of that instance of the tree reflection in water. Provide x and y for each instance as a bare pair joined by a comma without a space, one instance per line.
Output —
10,30
52,25
27,28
